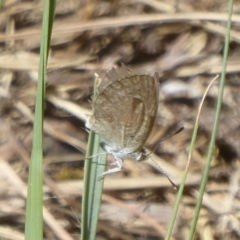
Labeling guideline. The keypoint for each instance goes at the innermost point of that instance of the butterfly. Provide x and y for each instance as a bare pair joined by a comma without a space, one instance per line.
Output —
125,109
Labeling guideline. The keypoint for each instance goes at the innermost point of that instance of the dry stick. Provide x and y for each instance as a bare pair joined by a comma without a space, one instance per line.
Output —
212,27
61,136
136,212
123,22
21,187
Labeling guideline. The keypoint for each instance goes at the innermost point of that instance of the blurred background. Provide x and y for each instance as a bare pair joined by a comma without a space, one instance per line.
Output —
182,41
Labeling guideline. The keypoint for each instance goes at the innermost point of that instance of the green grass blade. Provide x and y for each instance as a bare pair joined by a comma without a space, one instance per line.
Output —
93,185
215,126
34,218
184,178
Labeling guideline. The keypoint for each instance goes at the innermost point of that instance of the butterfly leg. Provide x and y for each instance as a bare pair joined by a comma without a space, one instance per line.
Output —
119,163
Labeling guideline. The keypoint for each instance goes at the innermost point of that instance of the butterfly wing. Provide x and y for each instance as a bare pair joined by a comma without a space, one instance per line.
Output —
110,115
125,110
144,105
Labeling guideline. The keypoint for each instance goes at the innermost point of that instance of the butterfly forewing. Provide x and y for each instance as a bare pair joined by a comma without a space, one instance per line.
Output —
125,110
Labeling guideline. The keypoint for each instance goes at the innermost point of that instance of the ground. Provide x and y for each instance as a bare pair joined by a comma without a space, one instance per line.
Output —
181,40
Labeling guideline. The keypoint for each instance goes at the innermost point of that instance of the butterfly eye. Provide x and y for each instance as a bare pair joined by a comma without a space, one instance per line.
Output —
142,156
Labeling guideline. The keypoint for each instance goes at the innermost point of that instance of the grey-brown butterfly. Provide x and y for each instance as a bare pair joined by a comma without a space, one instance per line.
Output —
125,109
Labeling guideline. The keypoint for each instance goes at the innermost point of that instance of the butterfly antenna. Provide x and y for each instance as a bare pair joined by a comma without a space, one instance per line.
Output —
164,173
163,139
175,133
